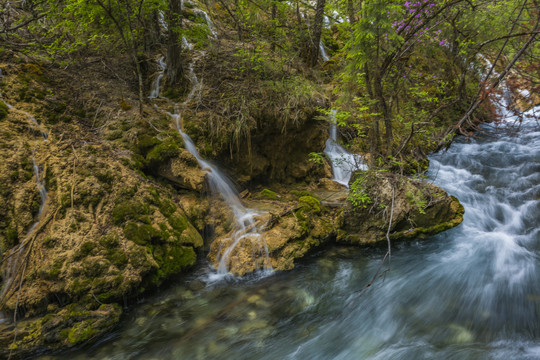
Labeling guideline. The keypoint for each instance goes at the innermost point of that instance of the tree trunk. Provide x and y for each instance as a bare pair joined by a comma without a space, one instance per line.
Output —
175,70
274,25
350,10
384,111
317,31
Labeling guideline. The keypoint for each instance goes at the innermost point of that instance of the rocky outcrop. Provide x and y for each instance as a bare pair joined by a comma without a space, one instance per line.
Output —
416,207
299,221
106,234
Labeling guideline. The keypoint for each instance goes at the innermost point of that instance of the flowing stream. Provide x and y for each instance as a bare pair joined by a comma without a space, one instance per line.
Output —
472,292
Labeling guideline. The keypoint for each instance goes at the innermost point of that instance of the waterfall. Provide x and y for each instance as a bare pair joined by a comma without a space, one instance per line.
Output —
343,162
245,227
208,21
322,50
186,43
154,92
13,265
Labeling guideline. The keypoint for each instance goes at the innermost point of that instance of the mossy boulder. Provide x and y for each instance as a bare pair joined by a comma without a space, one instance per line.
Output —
267,194
67,327
417,208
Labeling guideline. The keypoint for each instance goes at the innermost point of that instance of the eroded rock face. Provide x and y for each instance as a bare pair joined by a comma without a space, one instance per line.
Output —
106,233
289,231
183,172
419,208
299,223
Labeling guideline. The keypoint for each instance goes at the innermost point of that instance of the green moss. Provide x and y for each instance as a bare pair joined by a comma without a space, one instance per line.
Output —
54,271
114,135
167,207
145,143
178,222
117,257
302,193
12,237
93,268
81,332
131,230
4,110
171,260
109,241
310,203
129,210
142,234
85,250
79,286
162,152
268,195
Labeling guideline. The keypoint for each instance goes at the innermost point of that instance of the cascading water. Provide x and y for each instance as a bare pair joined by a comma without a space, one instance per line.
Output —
322,50
343,162
156,84
245,227
208,21
472,292
12,269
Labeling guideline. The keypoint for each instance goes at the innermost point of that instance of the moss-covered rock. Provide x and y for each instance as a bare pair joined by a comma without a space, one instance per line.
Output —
4,110
266,194
419,208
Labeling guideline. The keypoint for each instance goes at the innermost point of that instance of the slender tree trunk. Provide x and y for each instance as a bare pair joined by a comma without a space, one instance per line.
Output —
374,131
175,70
351,12
274,23
384,112
317,31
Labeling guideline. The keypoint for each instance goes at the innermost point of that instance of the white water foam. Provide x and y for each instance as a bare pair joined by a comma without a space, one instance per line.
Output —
343,162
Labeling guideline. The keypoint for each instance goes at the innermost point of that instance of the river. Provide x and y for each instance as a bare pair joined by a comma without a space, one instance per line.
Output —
472,292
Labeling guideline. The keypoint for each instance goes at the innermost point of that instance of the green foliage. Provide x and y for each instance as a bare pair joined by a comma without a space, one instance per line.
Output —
250,60
358,194
417,198
316,158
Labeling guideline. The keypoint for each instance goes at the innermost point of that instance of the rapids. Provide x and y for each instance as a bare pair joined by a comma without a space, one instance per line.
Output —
472,292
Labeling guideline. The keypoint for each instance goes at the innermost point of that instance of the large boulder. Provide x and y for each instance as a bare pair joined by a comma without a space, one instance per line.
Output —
415,207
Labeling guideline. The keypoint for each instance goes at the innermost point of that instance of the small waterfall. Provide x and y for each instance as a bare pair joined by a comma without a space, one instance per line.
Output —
186,43
322,50
245,227
162,22
154,92
343,162
12,270
208,21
